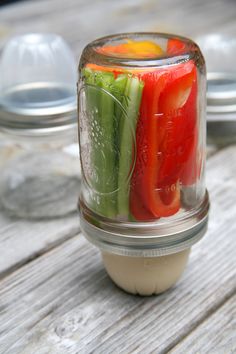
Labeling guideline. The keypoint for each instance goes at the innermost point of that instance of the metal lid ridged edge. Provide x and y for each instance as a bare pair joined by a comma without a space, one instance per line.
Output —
157,243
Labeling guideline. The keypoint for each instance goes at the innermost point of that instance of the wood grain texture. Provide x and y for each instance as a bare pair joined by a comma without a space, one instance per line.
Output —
22,240
217,333
63,302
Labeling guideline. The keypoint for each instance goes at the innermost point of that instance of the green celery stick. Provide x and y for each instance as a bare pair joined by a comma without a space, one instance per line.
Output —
115,131
131,102
93,108
118,92
108,177
119,87
101,104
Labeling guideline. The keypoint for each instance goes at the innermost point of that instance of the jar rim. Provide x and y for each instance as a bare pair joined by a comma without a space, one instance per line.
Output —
90,52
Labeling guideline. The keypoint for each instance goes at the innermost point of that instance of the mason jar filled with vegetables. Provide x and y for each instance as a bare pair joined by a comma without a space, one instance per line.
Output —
142,134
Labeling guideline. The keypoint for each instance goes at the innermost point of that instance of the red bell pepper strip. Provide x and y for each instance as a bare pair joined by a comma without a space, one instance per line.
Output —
145,176
177,103
161,135
191,163
187,148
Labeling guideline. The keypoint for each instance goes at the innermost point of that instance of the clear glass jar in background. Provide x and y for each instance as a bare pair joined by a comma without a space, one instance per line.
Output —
219,51
40,175
142,132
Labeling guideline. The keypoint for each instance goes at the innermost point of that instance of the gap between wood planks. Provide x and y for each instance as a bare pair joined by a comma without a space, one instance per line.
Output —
171,348
215,335
37,254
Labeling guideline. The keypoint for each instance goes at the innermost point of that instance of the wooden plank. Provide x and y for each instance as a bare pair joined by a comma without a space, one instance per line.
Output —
215,335
63,302
22,240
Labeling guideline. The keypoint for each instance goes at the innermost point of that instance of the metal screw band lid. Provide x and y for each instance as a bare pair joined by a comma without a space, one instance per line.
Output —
145,239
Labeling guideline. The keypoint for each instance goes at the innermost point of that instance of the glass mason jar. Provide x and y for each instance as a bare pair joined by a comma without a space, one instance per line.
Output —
142,133
219,51
38,127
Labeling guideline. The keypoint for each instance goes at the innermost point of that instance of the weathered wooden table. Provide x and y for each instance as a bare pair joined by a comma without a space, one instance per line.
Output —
55,296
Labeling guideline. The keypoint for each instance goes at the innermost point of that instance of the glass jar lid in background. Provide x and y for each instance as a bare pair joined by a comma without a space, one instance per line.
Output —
38,85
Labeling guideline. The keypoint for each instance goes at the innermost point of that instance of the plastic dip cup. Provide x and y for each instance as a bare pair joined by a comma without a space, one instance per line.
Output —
142,135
